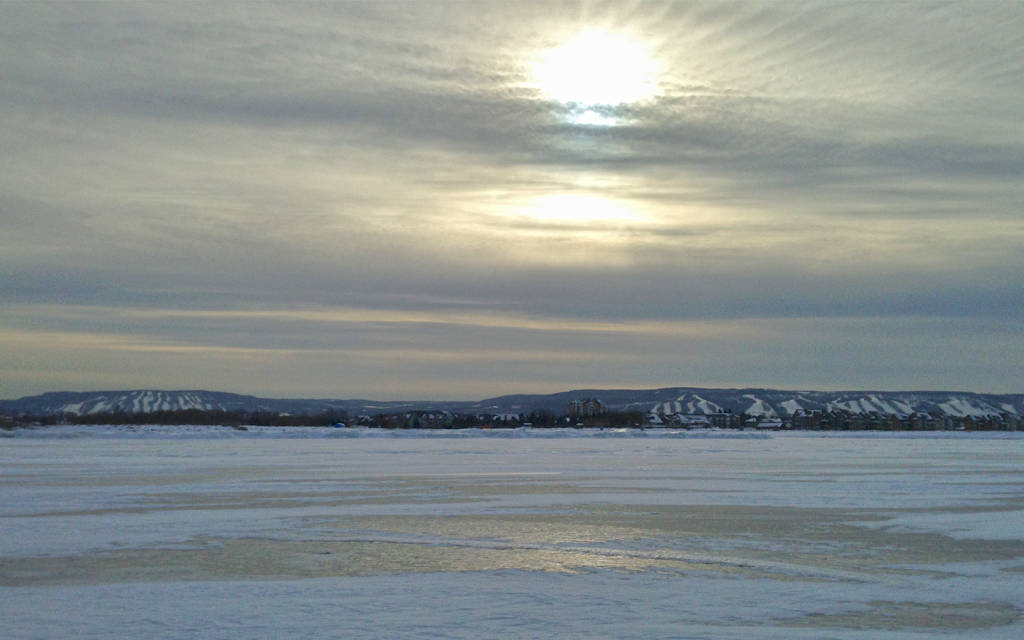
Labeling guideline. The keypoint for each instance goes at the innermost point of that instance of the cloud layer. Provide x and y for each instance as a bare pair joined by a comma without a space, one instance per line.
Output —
371,200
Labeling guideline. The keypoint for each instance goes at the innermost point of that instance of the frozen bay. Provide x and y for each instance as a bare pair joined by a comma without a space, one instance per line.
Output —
182,532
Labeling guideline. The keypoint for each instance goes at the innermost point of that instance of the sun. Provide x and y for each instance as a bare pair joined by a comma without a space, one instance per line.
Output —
574,209
597,68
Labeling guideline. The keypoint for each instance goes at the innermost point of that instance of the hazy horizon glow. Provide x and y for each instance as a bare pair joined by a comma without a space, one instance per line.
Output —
459,201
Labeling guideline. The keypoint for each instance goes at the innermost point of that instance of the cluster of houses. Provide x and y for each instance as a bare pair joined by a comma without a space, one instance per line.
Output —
718,420
441,420
586,410
841,420
919,421
577,411
412,420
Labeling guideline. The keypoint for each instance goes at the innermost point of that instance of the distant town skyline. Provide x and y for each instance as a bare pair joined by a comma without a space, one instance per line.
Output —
462,200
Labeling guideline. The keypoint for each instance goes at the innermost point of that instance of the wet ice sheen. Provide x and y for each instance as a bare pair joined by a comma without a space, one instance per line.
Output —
204,532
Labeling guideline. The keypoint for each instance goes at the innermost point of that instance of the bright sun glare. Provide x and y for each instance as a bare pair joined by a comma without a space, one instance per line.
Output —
597,68
575,209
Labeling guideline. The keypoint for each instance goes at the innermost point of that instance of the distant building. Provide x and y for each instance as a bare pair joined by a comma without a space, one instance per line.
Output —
768,423
923,421
585,408
724,419
694,421
807,419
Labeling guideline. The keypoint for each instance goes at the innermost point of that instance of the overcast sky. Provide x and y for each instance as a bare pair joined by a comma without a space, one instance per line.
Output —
426,199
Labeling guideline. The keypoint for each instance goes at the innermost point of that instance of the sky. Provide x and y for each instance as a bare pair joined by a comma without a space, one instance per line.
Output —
457,200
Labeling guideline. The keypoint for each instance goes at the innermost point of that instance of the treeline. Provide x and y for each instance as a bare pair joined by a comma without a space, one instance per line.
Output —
828,421
539,419
410,420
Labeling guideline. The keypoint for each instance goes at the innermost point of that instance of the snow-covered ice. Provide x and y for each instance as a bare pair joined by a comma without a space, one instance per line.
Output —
209,532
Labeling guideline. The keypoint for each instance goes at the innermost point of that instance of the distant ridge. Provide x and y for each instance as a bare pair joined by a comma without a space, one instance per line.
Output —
152,400
671,400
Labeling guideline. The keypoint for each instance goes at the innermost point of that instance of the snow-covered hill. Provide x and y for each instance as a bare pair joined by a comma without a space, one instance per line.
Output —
150,401
674,400
774,403
778,403
142,402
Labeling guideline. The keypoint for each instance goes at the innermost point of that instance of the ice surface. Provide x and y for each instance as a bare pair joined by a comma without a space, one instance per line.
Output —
209,532
506,604
984,525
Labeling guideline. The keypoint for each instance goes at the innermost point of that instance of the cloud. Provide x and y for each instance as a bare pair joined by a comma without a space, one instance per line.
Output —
802,163
278,353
